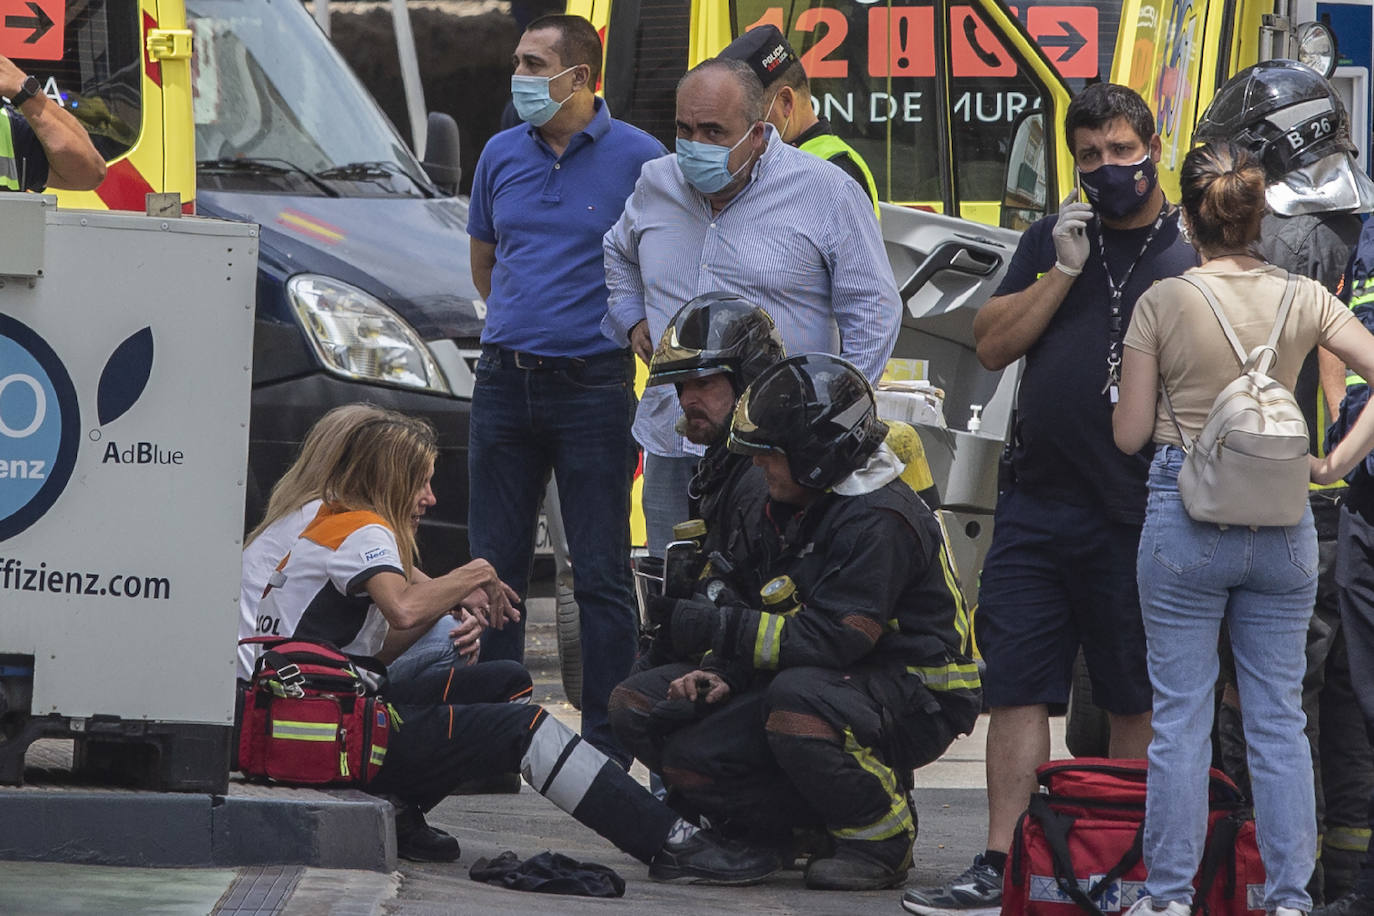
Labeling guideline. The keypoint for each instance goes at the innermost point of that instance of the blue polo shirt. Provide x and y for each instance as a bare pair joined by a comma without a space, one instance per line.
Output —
546,215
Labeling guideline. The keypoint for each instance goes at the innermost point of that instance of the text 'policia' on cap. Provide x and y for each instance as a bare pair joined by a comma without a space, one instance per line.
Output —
765,50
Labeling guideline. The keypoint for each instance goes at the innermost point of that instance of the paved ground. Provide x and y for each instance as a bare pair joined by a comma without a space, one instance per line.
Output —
950,801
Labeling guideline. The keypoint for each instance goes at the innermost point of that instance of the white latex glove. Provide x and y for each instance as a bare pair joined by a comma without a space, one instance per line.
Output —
1070,234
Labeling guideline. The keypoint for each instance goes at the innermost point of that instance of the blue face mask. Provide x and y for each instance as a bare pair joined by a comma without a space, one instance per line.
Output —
707,166
531,97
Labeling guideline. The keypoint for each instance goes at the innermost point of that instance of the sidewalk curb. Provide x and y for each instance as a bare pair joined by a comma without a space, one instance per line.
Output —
250,826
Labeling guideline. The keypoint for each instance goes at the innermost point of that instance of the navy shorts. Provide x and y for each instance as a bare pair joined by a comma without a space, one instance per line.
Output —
1056,577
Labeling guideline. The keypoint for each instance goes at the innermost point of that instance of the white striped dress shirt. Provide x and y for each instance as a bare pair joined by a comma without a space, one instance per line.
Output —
800,241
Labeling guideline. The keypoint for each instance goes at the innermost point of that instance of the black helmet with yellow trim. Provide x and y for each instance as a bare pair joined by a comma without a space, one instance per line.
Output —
817,410
714,334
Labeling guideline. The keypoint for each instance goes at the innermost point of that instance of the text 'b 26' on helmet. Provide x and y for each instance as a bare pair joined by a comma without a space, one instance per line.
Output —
713,334
1282,111
818,411
1295,123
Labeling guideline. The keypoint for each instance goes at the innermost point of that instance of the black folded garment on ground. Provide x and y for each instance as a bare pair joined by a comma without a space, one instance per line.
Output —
549,873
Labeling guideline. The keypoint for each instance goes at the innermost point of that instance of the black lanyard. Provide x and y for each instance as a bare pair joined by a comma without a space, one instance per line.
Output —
1118,290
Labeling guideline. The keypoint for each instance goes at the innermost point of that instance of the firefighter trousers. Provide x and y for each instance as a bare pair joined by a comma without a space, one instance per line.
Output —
439,745
1355,576
808,746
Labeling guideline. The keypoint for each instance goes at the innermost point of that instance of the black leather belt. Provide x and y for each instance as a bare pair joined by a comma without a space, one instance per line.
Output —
516,359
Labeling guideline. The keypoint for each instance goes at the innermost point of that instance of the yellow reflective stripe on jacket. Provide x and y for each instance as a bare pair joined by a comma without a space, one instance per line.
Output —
1350,839
9,169
1353,378
1362,293
828,146
378,755
289,730
897,819
768,641
953,676
962,625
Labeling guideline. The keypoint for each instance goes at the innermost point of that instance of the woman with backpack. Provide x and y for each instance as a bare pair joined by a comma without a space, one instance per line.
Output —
1257,573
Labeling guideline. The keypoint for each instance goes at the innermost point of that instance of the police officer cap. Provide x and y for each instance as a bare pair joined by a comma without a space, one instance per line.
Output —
765,50
1283,112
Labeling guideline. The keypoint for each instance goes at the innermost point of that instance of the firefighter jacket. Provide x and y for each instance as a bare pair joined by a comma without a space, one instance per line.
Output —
726,492
876,592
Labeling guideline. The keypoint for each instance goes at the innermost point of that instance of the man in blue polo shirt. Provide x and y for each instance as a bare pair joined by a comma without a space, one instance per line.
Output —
552,393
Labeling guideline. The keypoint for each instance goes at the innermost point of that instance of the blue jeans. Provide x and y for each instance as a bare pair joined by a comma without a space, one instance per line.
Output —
1263,583
575,423
434,649
665,497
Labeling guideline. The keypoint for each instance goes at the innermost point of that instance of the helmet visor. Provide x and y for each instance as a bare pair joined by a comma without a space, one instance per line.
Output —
672,373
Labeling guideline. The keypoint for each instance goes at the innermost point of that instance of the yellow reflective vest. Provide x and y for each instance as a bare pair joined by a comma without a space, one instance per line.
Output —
829,146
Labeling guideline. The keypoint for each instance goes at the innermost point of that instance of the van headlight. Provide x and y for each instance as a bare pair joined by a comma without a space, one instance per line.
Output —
358,337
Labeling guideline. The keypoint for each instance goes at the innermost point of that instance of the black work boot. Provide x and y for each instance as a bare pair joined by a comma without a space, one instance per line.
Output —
705,858
862,866
419,842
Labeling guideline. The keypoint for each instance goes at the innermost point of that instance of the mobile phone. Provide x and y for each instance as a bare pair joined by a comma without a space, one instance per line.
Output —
1078,193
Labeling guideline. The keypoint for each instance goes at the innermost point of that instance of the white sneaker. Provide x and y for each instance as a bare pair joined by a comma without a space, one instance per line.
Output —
1146,907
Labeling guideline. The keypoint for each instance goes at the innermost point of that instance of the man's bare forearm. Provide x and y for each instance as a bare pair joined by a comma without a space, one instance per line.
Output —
1008,326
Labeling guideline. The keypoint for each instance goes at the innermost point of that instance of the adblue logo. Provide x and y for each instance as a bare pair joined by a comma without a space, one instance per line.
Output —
40,422
39,427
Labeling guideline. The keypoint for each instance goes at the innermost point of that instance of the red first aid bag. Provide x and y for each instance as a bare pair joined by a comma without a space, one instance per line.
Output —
1077,847
312,715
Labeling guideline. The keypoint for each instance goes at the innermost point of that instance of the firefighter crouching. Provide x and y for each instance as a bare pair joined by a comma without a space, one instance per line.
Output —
834,657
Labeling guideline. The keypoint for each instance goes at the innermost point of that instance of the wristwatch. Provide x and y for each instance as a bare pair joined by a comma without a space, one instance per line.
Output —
27,90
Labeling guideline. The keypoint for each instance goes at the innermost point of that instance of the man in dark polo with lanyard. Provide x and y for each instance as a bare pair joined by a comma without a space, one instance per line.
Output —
787,100
1060,573
552,393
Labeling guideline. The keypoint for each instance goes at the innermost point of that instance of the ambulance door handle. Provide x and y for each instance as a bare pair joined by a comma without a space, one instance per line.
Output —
960,256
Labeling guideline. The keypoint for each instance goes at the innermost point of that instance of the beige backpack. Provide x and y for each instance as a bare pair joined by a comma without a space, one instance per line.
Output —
1249,464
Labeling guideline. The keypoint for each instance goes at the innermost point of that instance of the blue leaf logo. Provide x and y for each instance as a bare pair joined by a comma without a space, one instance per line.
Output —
125,376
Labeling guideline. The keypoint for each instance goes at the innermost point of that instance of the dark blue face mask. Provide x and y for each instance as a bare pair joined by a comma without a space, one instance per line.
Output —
1117,191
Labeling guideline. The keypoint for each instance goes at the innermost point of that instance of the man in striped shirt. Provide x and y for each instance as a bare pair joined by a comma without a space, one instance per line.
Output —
738,210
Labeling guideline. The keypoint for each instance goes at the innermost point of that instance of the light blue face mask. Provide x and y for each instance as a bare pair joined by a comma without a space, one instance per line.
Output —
707,166
531,97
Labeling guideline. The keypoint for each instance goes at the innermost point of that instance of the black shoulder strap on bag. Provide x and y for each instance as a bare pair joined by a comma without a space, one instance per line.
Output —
1290,288
1219,858
1056,827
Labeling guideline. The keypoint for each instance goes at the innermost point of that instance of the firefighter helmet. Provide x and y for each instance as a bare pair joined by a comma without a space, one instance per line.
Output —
1283,112
818,411
718,333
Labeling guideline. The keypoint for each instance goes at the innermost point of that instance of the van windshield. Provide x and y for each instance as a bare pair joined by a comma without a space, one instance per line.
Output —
276,108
